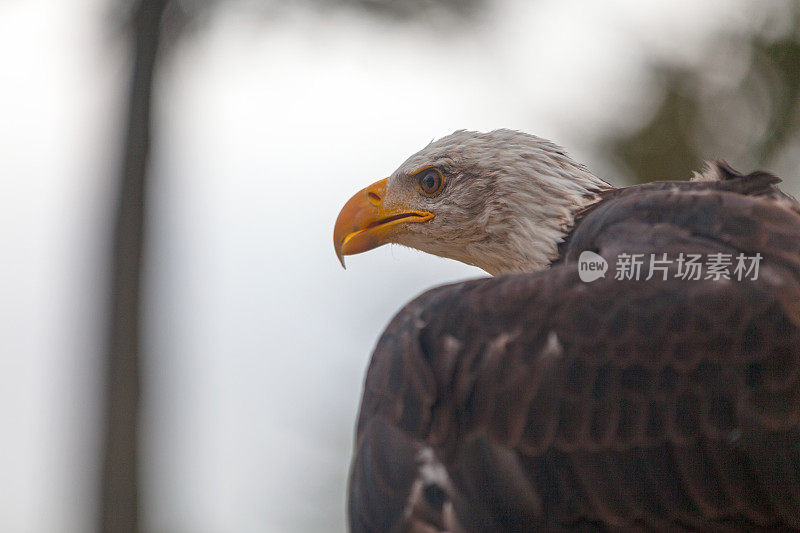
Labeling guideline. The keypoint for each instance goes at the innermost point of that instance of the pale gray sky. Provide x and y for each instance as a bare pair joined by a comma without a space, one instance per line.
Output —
257,340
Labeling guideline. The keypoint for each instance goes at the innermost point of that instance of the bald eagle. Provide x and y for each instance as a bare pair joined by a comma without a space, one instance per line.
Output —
571,391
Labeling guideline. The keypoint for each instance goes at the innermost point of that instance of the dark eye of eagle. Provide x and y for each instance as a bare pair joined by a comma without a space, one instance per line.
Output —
430,181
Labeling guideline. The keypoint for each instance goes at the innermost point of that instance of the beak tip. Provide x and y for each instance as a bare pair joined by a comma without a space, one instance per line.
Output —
340,256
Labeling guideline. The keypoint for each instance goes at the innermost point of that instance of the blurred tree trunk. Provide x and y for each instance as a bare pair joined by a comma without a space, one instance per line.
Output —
120,498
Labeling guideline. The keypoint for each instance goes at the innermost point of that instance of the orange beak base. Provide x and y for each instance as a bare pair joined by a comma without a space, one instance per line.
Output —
363,223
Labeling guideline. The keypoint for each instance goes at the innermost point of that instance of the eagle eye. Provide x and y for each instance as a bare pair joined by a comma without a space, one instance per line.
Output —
430,181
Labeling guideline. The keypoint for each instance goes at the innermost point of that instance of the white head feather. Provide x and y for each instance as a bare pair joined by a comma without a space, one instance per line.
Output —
509,199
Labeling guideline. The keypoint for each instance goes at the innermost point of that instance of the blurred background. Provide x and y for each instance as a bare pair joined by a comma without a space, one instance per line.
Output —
180,350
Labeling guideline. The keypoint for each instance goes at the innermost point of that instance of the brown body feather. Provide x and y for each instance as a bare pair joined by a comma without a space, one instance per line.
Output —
546,403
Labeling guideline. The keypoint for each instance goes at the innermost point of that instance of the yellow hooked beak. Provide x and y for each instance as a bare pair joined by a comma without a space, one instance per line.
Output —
363,223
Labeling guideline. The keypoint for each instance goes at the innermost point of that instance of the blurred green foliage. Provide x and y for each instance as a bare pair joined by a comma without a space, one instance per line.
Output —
740,103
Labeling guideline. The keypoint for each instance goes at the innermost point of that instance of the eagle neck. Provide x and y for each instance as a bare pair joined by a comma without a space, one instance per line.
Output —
535,219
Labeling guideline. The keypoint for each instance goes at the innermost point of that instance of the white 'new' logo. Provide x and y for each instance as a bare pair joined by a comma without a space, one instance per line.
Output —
591,266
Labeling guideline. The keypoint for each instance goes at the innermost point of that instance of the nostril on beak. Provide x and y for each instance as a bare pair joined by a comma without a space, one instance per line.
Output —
373,198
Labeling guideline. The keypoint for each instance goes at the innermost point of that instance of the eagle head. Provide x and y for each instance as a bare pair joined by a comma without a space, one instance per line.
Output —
501,201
